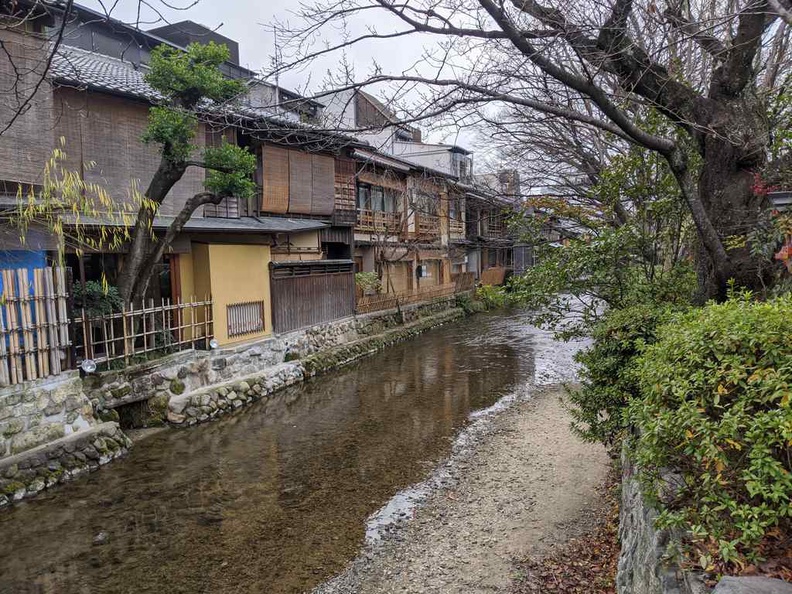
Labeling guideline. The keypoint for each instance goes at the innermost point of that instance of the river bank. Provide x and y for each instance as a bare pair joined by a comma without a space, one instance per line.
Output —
516,484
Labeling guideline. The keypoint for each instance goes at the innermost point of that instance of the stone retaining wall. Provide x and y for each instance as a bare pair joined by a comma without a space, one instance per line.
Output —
208,403
42,411
27,473
646,562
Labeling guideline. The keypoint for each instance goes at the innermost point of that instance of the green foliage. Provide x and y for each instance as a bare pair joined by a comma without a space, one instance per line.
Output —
185,78
633,233
608,374
173,129
230,170
466,303
368,281
97,298
587,276
491,296
715,409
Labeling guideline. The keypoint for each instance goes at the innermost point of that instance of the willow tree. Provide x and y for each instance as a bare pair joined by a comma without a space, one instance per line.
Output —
710,67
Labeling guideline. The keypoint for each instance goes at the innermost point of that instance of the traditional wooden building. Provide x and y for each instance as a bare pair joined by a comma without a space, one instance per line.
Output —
248,255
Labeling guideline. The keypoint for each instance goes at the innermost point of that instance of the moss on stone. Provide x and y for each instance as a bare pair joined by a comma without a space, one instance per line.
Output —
177,386
12,487
107,414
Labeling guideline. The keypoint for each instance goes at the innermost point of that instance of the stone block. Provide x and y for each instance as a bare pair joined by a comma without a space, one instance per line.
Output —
121,391
39,435
177,386
752,585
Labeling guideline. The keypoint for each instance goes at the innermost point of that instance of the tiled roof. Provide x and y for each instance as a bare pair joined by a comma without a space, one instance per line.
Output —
80,68
76,67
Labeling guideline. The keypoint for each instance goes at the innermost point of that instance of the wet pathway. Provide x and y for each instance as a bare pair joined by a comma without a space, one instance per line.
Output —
275,498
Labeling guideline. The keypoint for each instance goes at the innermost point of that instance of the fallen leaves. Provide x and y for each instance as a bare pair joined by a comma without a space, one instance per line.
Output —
582,565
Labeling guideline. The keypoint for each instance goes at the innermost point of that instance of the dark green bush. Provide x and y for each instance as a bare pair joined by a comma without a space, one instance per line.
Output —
98,299
715,409
608,370
492,297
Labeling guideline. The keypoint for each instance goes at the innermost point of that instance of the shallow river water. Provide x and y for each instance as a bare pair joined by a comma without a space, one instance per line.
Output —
274,498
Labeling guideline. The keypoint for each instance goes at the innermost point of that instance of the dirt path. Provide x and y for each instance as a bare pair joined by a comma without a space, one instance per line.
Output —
514,492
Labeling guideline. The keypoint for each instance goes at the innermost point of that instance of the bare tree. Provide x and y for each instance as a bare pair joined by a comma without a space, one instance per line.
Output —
710,68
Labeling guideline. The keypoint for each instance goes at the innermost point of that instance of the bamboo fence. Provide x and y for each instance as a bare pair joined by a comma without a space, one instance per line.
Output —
135,333
34,325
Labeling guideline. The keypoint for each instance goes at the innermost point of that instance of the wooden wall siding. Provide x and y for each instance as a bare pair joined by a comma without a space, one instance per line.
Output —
367,115
300,182
345,189
229,208
106,130
276,180
27,145
323,177
387,180
308,293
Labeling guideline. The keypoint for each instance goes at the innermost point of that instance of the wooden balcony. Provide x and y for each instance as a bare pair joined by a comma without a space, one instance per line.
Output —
375,221
426,226
456,228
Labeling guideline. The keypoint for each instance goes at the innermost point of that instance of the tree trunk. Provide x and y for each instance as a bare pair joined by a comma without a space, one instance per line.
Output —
732,152
131,284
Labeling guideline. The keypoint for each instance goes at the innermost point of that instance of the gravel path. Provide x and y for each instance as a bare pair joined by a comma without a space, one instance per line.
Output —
517,483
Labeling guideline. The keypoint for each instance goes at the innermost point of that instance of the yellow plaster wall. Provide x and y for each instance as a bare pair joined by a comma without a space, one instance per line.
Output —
232,274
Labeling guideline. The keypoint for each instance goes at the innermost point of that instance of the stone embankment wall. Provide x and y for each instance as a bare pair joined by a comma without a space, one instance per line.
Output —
49,435
646,563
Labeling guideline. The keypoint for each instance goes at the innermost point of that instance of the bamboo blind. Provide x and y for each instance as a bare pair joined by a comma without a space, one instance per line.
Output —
300,182
34,326
323,191
275,198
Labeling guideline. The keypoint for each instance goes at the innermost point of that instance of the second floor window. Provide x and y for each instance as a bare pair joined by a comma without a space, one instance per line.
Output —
376,198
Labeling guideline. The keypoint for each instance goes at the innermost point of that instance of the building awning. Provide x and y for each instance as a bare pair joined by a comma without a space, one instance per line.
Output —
214,225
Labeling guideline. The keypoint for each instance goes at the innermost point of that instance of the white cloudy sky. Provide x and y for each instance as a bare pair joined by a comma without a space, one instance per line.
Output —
248,21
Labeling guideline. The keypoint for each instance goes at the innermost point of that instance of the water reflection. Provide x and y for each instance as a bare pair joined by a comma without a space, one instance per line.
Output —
273,499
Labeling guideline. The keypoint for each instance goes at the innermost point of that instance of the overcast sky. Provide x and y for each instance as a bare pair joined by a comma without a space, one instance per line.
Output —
248,21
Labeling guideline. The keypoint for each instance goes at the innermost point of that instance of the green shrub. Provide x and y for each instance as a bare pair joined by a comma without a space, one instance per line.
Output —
607,372
466,302
491,296
97,298
368,281
715,410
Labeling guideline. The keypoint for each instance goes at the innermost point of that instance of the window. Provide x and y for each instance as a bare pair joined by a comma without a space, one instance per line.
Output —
245,318
364,197
390,201
377,199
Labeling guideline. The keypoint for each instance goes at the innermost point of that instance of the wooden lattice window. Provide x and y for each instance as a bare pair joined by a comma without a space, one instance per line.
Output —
245,318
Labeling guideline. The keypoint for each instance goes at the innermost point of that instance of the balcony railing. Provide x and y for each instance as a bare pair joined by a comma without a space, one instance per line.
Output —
456,228
426,226
377,221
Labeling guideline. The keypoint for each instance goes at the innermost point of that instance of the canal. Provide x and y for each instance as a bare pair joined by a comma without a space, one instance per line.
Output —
273,499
